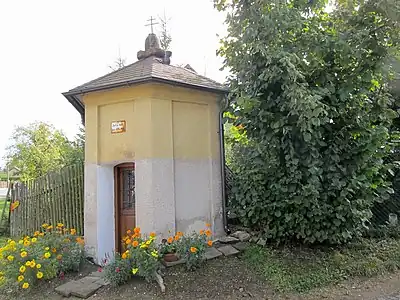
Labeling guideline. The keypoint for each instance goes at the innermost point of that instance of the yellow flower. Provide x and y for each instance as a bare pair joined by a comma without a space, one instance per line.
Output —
148,242
24,254
41,234
22,269
28,263
20,242
39,275
128,241
33,264
27,243
60,225
73,231
124,255
47,248
34,240
154,253
20,278
36,233
47,255
143,245
13,243
25,285
38,266
10,258
45,225
135,270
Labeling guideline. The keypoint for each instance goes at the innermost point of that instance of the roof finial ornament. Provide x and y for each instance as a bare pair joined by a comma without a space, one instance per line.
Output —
151,23
152,47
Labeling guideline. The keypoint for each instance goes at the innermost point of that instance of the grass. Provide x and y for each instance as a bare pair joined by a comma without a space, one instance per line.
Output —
304,269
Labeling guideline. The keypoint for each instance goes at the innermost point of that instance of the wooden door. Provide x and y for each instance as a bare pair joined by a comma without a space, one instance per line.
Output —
125,201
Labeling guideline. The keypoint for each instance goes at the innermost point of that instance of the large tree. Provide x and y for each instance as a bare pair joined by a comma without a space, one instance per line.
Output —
310,93
40,148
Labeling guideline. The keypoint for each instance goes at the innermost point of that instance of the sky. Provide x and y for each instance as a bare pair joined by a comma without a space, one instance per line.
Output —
49,47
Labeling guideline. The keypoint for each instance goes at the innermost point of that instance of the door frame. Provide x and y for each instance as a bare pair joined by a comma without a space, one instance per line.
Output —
117,201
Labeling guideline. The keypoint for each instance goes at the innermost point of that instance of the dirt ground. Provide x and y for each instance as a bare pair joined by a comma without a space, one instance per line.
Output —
224,278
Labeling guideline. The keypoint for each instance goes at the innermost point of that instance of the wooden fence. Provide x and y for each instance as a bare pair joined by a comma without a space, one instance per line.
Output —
53,198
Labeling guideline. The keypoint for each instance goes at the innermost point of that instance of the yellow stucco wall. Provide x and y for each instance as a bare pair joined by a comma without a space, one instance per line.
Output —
162,121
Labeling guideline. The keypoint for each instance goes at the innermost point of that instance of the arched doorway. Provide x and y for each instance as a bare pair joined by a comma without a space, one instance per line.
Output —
124,180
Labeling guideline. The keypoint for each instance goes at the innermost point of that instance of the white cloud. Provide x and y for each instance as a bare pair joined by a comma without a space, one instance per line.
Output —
48,47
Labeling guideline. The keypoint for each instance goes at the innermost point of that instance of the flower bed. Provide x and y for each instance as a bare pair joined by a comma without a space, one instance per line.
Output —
47,254
142,255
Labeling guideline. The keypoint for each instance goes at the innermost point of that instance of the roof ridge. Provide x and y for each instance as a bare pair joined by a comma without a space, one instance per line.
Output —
202,76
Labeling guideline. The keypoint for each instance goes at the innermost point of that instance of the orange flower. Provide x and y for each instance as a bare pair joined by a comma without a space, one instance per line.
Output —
128,241
152,234
135,244
177,237
54,250
124,255
36,233
170,240
210,243
193,249
208,225
136,230
208,232
73,231
129,231
80,240
202,232
179,233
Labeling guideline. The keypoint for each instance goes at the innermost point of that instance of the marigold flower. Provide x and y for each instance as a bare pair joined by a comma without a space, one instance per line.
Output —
128,241
27,243
60,225
47,255
47,248
45,225
73,231
28,263
36,233
24,254
179,233
25,285
170,240
135,244
10,258
208,232
136,230
210,243
129,231
41,234
193,249
39,275
38,266
22,269
33,264
202,232
208,225
49,228
54,250
59,257
20,278
152,234
124,255
34,240
177,237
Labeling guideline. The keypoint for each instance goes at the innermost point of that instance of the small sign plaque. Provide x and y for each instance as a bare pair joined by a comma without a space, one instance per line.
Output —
118,126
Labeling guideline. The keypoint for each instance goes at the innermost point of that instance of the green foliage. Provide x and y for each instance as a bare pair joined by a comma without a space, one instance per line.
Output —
309,92
303,269
192,248
118,270
39,148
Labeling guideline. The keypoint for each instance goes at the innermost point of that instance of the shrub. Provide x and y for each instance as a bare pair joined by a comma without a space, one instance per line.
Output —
140,258
171,244
48,253
192,248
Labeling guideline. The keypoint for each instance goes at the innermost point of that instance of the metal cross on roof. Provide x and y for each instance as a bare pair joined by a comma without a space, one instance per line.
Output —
151,23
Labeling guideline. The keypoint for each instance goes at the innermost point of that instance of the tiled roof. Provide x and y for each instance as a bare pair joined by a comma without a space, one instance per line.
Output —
150,68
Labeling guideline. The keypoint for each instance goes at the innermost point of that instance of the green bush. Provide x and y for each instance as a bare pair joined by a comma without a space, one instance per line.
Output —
309,94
